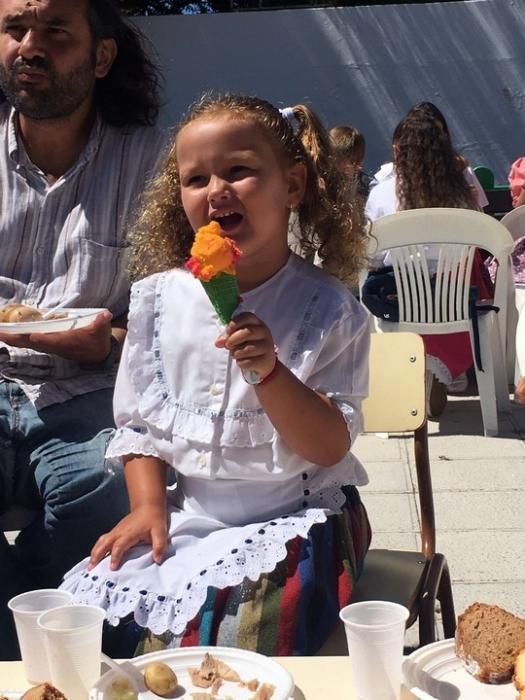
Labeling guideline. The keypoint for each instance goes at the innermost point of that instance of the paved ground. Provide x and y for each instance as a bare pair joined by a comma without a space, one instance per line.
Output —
479,497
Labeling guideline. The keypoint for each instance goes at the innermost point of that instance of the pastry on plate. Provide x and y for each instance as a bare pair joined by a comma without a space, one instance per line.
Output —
519,674
489,639
44,691
17,313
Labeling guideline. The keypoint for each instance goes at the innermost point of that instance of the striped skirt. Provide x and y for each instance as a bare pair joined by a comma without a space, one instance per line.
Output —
289,611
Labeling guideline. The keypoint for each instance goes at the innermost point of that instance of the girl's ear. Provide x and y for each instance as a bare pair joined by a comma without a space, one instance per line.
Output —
296,177
105,56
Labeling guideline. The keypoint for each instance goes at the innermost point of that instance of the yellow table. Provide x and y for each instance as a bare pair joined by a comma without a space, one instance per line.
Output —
316,677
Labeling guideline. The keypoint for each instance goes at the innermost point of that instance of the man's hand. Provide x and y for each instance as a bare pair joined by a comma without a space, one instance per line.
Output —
87,345
144,524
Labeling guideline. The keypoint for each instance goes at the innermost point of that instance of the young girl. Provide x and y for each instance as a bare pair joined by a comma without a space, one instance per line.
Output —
263,538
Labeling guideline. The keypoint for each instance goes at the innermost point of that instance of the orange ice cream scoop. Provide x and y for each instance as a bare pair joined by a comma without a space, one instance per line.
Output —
212,253
212,261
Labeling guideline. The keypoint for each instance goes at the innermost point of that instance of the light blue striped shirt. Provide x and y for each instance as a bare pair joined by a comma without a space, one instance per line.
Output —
65,242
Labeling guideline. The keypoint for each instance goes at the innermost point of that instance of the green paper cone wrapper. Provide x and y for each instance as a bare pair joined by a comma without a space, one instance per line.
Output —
223,292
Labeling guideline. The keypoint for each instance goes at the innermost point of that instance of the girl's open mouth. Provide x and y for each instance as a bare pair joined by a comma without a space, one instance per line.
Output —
228,221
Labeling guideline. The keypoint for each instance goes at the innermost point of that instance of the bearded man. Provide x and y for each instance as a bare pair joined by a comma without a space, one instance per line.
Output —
77,143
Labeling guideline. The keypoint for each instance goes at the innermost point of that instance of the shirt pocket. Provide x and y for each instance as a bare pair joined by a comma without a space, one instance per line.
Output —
103,278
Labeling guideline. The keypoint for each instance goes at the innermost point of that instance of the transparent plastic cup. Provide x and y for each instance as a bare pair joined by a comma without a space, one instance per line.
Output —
26,608
73,641
375,632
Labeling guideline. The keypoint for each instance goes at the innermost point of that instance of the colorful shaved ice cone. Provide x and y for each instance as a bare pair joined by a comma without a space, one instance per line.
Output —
212,261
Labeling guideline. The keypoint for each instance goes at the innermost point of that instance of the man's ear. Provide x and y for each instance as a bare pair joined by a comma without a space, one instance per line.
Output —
105,56
296,175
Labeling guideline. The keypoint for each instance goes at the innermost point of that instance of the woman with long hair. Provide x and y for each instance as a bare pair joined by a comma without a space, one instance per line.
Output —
427,172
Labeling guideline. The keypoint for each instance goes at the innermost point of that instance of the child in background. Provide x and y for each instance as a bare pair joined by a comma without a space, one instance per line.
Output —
261,542
349,149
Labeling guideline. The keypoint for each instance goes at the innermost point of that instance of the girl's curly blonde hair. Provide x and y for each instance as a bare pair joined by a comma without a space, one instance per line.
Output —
330,224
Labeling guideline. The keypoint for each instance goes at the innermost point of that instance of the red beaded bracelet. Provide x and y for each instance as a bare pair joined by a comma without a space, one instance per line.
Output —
271,373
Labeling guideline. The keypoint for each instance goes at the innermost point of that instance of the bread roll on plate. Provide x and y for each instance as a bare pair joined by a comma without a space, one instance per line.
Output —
18,313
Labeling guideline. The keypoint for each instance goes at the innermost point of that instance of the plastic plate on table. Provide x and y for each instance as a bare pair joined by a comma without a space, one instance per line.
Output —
439,674
73,318
248,665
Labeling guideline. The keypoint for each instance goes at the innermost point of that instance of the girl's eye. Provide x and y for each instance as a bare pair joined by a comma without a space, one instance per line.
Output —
238,170
195,180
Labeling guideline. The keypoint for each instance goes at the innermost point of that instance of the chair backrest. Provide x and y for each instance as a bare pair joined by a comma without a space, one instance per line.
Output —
396,403
499,201
485,176
432,252
499,196
514,222
396,393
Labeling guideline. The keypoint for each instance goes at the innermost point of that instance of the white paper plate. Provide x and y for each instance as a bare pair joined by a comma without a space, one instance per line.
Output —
76,318
248,665
436,670
11,694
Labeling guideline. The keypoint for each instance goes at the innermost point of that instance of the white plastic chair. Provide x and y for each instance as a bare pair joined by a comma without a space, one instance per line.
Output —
432,252
514,222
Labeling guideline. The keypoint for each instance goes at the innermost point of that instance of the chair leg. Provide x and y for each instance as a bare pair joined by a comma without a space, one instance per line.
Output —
427,621
488,384
427,600
500,375
446,601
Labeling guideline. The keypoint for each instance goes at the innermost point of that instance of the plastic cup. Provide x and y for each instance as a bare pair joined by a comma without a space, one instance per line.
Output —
26,608
375,632
73,642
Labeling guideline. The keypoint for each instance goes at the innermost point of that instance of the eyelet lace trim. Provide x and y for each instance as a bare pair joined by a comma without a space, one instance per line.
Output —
126,441
257,554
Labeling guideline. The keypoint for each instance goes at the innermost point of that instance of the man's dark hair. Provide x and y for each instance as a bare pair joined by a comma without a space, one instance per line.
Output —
130,93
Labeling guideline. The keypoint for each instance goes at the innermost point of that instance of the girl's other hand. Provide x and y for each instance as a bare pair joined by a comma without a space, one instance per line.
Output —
250,343
146,523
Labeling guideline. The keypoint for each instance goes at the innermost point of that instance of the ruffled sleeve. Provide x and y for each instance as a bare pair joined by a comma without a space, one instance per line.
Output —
341,369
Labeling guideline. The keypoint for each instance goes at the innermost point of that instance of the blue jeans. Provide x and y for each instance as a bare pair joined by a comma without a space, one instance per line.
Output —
53,460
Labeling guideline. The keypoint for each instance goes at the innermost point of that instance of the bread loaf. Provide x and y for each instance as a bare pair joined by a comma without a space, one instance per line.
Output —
489,639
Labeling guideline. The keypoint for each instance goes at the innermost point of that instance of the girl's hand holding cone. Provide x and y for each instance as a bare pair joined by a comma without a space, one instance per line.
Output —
251,344
212,261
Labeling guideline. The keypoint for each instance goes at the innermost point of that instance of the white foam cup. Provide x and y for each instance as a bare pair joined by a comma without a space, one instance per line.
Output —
375,632
26,608
73,641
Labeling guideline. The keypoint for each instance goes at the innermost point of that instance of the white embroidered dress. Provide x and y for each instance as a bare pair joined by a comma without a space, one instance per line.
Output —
241,495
